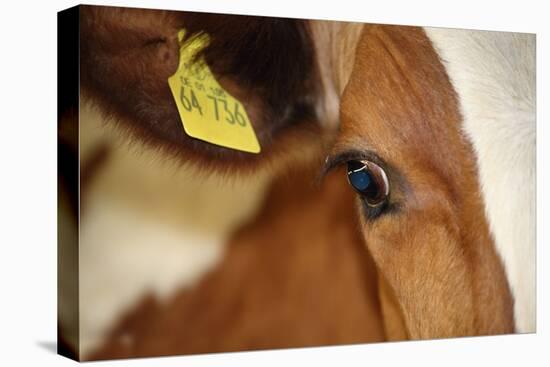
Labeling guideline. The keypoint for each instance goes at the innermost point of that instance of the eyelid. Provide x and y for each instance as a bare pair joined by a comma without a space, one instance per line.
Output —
336,160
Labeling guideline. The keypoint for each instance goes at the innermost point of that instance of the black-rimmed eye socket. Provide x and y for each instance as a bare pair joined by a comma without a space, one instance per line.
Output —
370,181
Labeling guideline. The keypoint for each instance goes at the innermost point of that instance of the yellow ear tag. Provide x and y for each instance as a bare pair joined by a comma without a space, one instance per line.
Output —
207,111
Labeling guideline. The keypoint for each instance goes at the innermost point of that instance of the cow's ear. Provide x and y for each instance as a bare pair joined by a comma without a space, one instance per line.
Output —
268,64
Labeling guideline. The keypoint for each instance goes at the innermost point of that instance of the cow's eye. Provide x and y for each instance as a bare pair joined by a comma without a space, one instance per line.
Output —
370,181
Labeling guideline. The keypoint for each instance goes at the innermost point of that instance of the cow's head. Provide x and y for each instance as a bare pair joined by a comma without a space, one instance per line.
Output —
418,189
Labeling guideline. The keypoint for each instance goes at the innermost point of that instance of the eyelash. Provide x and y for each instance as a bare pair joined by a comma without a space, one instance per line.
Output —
372,213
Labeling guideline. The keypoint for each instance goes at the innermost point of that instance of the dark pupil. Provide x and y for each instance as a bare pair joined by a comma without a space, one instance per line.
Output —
361,180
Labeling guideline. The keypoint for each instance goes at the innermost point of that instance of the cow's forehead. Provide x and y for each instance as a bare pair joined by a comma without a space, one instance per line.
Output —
399,101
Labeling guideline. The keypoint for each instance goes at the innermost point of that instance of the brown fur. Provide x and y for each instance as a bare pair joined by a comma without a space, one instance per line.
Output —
296,276
434,250
392,314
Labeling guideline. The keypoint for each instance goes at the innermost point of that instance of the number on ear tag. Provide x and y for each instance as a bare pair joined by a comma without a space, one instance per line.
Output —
208,112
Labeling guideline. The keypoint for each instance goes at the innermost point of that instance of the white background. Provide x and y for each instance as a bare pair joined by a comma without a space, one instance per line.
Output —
28,182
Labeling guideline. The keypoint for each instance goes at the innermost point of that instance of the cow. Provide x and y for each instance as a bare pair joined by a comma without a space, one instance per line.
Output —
189,247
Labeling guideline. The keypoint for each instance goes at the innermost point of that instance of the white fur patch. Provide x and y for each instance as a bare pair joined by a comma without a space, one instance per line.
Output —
149,227
493,74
